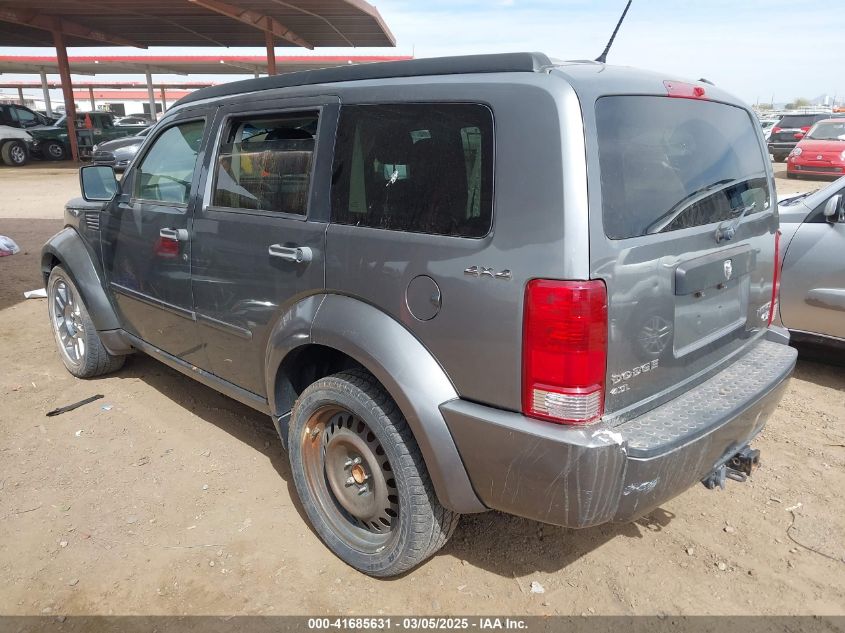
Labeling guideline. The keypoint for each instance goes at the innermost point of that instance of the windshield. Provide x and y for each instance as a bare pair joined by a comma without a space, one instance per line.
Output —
670,164
828,131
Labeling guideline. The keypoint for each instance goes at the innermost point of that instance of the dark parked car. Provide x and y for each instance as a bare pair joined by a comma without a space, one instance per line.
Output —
20,116
565,315
812,296
118,153
51,141
789,130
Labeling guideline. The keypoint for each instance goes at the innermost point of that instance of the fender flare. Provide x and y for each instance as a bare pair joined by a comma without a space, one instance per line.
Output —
75,257
411,375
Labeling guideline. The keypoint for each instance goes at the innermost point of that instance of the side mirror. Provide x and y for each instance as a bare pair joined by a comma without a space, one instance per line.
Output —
834,210
98,183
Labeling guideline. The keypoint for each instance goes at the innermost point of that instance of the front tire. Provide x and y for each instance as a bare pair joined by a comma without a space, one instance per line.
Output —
361,477
14,154
53,150
80,348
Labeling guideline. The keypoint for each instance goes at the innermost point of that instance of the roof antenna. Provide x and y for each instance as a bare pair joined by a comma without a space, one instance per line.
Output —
603,57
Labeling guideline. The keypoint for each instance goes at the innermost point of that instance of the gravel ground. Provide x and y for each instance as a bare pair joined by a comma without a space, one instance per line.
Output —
168,498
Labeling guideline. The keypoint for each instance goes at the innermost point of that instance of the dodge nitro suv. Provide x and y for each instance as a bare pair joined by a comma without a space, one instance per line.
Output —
457,284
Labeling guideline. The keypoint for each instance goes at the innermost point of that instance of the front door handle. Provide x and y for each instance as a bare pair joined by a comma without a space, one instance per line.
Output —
296,254
178,235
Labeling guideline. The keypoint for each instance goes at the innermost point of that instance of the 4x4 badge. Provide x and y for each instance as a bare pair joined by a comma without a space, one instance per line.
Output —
481,271
729,269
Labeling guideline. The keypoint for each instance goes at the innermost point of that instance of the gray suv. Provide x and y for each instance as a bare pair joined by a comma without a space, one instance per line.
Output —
458,284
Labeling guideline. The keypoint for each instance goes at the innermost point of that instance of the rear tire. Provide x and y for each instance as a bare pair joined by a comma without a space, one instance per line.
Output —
779,158
53,150
14,154
361,477
80,347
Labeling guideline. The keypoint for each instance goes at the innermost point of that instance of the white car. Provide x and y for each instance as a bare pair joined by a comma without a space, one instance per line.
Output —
14,146
767,125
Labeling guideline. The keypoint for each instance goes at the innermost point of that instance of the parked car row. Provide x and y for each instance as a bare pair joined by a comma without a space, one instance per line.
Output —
23,135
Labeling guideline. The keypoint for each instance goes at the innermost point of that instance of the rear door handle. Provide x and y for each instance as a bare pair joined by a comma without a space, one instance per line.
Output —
296,254
178,235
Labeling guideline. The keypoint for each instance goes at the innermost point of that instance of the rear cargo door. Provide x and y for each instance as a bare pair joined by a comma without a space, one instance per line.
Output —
688,220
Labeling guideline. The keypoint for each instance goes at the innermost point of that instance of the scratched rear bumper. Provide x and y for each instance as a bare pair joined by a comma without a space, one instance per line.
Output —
583,476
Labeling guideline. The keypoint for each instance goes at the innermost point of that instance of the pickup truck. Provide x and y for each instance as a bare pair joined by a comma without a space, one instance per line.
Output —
51,141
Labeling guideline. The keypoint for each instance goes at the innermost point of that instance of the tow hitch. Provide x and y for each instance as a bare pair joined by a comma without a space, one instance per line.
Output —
738,467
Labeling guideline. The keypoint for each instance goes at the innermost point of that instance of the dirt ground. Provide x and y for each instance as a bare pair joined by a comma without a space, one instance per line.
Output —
167,498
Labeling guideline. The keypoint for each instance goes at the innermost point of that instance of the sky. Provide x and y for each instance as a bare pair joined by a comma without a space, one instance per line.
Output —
755,49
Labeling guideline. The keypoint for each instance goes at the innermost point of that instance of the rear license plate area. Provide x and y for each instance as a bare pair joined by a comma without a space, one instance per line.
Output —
709,314
711,297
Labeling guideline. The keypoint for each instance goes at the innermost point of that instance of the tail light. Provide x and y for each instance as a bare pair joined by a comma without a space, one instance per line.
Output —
805,128
775,280
776,130
564,350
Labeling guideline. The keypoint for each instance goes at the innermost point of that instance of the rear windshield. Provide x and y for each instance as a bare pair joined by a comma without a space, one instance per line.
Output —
798,120
669,164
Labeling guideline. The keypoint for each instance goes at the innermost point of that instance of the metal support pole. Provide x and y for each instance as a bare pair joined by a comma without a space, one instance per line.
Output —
20,95
91,97
163,99
271,53
151,96
67,91
46,90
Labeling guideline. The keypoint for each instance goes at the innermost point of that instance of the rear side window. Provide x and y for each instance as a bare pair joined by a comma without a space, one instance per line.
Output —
669,164
265,163
420,168
167,170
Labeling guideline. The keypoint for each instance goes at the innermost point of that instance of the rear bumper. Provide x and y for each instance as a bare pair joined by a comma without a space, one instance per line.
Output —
781,147
578,477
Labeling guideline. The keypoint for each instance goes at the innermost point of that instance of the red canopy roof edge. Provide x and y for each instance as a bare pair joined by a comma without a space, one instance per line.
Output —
163,59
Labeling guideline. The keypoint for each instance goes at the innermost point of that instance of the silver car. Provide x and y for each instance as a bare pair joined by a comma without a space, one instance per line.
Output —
812,293
119,152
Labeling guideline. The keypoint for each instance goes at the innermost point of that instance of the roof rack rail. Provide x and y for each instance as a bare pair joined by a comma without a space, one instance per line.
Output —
465,64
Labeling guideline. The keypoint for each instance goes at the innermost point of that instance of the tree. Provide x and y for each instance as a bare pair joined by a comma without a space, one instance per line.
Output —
799,102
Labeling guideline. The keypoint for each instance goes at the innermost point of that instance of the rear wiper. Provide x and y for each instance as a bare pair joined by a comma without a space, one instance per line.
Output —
666,219
727,233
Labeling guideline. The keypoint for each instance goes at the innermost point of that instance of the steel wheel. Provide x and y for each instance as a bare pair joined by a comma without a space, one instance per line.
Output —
350,478
66,316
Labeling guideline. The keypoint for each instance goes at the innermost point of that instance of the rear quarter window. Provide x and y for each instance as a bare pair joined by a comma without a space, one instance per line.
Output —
420,168
669,164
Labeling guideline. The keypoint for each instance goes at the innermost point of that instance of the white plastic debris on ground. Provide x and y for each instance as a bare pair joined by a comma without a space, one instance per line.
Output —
8,246
38,293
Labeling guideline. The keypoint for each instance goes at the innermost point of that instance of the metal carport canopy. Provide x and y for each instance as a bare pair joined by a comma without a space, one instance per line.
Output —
181,64
185,23
143,23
